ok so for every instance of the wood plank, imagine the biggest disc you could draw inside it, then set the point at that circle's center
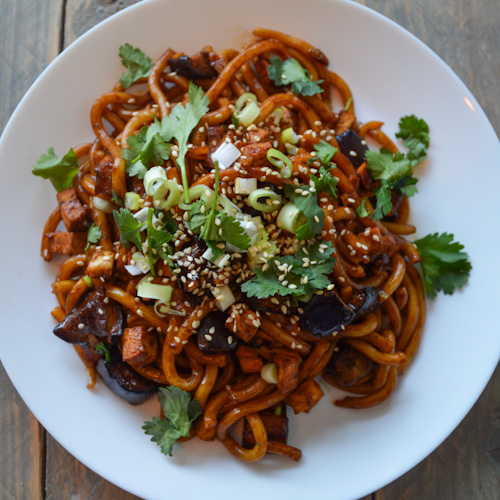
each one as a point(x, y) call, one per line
point(66, 477)
point(466, 466)
point(463, 34)
point(81, 15)
point(21, 446)
point(29, 37)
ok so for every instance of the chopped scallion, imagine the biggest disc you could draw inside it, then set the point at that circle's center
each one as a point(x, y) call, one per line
point(264, 200)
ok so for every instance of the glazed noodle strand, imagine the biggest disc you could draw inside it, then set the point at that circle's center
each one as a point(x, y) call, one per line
point(249, 360)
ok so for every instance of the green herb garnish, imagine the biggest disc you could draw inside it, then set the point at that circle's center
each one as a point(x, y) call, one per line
point(180, 411)
point(138, 64)
point(445, 266)
point(291, 72)
point(59, 171)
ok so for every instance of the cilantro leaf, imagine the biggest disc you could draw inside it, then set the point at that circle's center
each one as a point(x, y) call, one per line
point(180, 123)
point(325, 152)
point(138, 64)
point(308, 205)
point(395, 171)
point(215, 226)
point(104, 351)
point(445, 266)
point(157, 243)
point(60, 171)
point(116, 199)
point(304, 279)
point(291, 72)
point(233, 232)
point(325, 183)
point(145, 149)
point(415, 134)
point(362, 211)
point(180, 410)
point(129, 228)
point(94, 234)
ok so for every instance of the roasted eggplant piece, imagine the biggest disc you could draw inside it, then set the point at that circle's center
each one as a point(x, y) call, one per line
point(94, 316)
point(122, 380)
point(325, 314)
point(365, 302)
point(276, 424)
point(351, 141)
point(349, 366)
point(213, 336)
point(195, 67)
point(328, 313)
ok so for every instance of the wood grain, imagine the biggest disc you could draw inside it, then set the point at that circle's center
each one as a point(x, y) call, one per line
point(29, 40)
point(464, 34)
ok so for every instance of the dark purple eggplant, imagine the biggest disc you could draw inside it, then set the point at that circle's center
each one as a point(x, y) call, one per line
point(123, 381)
point(325, 314)
point(213, 336)
point(94, 316)
point(368, 300)
point(351, 141)
point(195, 67)
point(349, 366)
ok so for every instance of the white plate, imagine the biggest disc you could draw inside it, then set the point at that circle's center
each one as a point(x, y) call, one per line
point(347, 453)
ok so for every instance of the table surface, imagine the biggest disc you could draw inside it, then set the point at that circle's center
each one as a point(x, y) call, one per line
point(464, 34)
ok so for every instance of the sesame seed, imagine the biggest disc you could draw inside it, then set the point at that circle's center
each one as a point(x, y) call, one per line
point(81, 326)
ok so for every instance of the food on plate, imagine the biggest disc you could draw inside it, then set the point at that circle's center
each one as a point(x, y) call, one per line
point(234, 235)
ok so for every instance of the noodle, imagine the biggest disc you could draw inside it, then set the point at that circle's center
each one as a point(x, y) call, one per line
point(167, 342)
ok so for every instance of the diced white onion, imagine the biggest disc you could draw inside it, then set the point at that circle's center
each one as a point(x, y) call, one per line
point(224, 298)
point(103, 205)
point(244, 185)
point(133, 270)
point(221, 261)
point(226, 154)
point(269, 373)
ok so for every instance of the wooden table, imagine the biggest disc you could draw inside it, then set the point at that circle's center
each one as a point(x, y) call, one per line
point(464, 33)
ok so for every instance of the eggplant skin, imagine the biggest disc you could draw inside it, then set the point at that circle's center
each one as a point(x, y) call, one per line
point(94, 316)
point(351, 141)
point(325, 314)
point(126, 383)
point(213, 336)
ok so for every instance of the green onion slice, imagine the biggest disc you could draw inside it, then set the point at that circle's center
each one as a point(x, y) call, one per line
point(288, 136)
point(202, 192)
point(244, 99)
point(131, 201)
point(290, 218)
point(264, 200)
point(278, 159)
point(248, 114)
point(276, 115)
point(158, 186)
point(88, 281)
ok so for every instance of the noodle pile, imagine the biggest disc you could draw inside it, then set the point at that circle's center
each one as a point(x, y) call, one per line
point(364, 358)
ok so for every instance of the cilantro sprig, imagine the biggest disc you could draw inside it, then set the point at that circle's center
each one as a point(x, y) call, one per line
point(138, 64)
point(180, 411)
point(60, 171)
point(325, 182)
point(306, 200)
point(145, 149)
point(395, 171)
point(291, 72)
point(180, 123)
point(216, 226)
point(129, 227)
point(444, 264)
point(94, 234)
point(306, 271)
point(103, 350)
